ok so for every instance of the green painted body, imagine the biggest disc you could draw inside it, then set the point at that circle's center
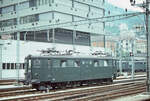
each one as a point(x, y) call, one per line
point(49, 69)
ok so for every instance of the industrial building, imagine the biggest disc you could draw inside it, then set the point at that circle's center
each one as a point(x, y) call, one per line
point(28, 26)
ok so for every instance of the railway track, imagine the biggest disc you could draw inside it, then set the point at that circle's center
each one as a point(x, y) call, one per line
point(7, 82)
point(18, 92)
point(2, 91)
point(112, 94)
point(89, 93)
point(28, 90)
point(98, 94)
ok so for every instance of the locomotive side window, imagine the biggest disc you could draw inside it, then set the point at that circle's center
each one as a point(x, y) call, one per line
point(96, 64)
point(77, 63)
point(63, 63)
point(83, 62)
point(105, 63)
point(87, 63)
point(90, 62)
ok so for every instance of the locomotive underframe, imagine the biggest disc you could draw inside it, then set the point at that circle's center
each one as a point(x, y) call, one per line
point(52, 85)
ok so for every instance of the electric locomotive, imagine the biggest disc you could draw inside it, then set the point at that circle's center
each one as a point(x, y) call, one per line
point(47, 72)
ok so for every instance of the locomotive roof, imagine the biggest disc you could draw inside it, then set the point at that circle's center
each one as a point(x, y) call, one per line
point(72, 57)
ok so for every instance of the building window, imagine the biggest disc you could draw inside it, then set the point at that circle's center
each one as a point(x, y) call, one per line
point(15, 67)
point(7, 9)
point(20, 67)
point(12, 65)
point(8, 65)
point(52, 1)
point(23, 66)
point(72, 3)
point(29, 19)
point(103, 1)
point(43, 2)
point(1, 1)
point(46, 1)
point(4, 65)
point(7, 23)
point(32, 3)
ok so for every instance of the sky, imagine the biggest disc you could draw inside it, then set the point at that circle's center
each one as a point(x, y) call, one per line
point(126, 4)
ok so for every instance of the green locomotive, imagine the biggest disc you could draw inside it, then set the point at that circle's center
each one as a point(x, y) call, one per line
point(46, 72)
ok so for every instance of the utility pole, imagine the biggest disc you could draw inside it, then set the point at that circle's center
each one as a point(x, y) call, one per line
point(104, 41)
point(18, 46)
point(146, 6)
point(120, 57)
point(148, 44)
point(74, 38)
point(1, 61)
point(132, 59)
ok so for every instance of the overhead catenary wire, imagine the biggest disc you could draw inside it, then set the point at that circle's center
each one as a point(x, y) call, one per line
point(77, 23)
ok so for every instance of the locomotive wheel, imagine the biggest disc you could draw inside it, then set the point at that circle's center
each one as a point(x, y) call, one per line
point(49, 87)
point(53, 87)
point(109, 81)
point(41, 88)
point(114, 77)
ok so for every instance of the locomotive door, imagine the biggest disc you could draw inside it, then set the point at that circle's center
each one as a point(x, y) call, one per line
point(49, 69)
point(44, 70)
point(86, 69)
